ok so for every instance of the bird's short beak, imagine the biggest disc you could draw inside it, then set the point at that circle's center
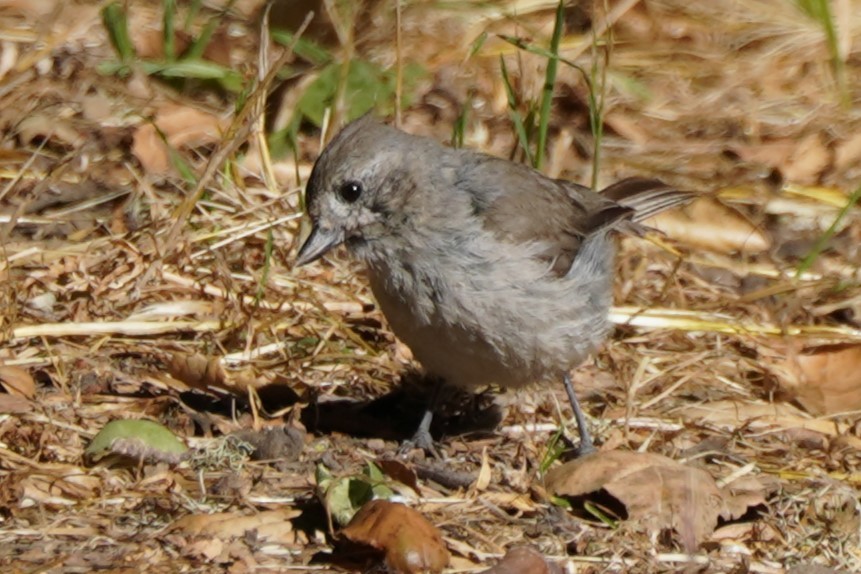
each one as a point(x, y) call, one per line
point(319, 242)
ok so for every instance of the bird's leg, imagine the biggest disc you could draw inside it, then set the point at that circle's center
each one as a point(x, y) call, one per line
point(422, 438)
point(586, 444)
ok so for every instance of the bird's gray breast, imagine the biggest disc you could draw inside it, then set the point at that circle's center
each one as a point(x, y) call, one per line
point(476, 311)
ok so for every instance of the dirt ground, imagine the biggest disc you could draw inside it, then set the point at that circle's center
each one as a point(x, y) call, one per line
point(150, 212)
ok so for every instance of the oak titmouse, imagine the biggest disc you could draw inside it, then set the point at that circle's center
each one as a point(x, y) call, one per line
point(491, 272)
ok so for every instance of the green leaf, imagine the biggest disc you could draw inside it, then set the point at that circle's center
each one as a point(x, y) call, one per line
point(304, 48)
point(196, 69)
point(136, 439)
point(342, 497)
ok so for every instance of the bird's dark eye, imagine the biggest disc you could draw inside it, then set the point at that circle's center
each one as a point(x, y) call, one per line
point(350, 191)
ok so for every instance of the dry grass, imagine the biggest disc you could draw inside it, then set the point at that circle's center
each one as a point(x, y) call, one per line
point(110, 276)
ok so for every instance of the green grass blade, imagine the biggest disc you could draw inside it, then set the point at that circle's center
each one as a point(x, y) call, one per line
point(460, 126)
point(539, 51)
point(198, 47)
point(555, 448)
point(169, 29)
point(193, 10)
point(597, 86)
point(302, 47)
point(549, 85)
point(477, 44)
point(116, 22)
point(519, 127)
point(820, 10)
point(823, 240)
point(267, 266)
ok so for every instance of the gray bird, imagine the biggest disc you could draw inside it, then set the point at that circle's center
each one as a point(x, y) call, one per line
point(491, 272)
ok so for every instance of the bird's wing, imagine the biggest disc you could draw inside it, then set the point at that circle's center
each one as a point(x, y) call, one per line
point(519, 205)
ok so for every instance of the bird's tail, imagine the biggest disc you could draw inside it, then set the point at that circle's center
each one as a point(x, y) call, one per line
point(646, 197)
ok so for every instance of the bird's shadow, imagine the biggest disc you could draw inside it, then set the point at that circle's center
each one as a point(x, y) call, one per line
point(392, 416)
point(396, 414)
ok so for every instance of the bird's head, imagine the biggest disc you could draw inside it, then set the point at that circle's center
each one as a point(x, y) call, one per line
point(358, 189)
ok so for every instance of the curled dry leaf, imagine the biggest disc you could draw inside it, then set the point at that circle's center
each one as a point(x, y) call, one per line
point(49, 127)
point(272, 526)
point(824, 380)
point(208, 373)
point(709, 224)
point(400, 472)
point(654, 489)
point(17, 381)
point(522, 560)
point(409, 542)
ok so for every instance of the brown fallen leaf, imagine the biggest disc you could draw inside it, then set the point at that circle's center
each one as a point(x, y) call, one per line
point(654, 489)
point(17, 381)
point(848, 153)
point(409, 542)
point(824, 380)
point(808, 160)
point(272, 526)
point(63, 486)
point(49, 126)
point(180, 126)
point(208, 373)
point(400, 472)
point(759, 415)
point(709, 224)
point(523, 560)
point(14, 405)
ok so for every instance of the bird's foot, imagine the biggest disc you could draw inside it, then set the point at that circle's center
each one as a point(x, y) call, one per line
point(583, 449)
point(423, 440)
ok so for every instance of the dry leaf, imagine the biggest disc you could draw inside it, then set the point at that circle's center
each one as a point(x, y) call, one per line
point(484, 475)
point(799, 161)
point(272, 526)
point(63, 486)
point(43, 126)
point(825, 380)
point(181, 126)
point(758, 416)
point(654, 489)
point(848, 153)
point(410, 543)
point(523, 560)
point(709, 224)
point(400, 472)
point(808, 160)
point(208, 373)
point(14, 405)
point(17, 381)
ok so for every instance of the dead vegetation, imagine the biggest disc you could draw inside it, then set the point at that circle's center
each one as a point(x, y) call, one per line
point(146, 246)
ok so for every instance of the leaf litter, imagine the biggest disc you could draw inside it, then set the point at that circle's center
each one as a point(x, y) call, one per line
point(725, 360)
